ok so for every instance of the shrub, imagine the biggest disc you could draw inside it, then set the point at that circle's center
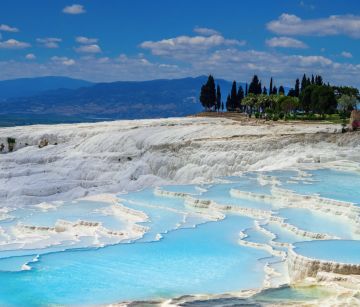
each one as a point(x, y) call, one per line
point(257, 115)
point(281, 115)
point(275, 117)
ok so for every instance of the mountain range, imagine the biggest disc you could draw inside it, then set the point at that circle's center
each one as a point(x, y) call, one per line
point(61, 99)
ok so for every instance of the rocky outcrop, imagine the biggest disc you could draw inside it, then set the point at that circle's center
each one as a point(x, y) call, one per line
point(301, 267)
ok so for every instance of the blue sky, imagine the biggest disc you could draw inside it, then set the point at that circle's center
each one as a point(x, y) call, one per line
point(140, 40)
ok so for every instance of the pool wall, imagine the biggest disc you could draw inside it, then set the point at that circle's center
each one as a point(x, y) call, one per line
point(301, 267)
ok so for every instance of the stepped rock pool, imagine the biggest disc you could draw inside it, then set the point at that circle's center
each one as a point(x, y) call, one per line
point(165, 242)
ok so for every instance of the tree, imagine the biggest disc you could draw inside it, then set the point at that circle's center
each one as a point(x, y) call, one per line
point(271, 86)
point(222, 106)
point(291, 93)
point(323, 100)
point(297, 88)
point(264, 91)
point(305, 98)
point(240, 97)
point(218, 97)
point(312, 79)
point(318, 80)
point(255, 86)
point(288, 104)
point(246, 90)
point(303, 83)
point(208, 93)
point(228, 103)
point(249, 101)
point(275, 90)
point(233, 96)
point(347, 103)
point(281, 90)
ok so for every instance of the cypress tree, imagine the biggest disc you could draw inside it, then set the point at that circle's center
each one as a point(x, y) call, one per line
point(240, 97)
point(255, 86)
point(312, 79)
point(218, 97)
point(303, 83)
point(271, 86)
point(222, 106)
point(297, 88)
point(318, 80)
point(228, 103)
point(275, 90)
point(208, 93)
point(264, 91)
point(246, 90)
point(281, 90)
point(291, 93)
point(233, 96)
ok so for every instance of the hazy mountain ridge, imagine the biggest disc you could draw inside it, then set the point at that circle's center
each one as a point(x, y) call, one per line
point(113, 100)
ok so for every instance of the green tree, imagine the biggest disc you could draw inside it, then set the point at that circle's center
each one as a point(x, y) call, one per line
point(323, 100)
point(250, 101)
point(271, 86)
point(233, 96)
point(255, 86)
point(297, 88)
point(208, 94)
point(218, 97)
point(264, 91)
point(303, 83)
point(240, 97)
point(347, 103)
point(281, 90)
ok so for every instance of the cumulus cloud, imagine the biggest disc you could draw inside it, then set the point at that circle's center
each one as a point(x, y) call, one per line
point(185, 46)
point(13, 44)
point(86, 40)
point(288, 24)
point(63, 60)
point(49, 42)
point(285, 42)
point(74, 9)
point(7, 28)
point(206, 31)
point(93, 48)
point(30, 56)
point(346, 54)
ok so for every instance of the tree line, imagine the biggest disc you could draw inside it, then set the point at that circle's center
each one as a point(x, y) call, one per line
point(310, 96)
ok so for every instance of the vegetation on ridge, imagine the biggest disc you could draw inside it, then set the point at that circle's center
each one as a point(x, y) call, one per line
point(309, 99)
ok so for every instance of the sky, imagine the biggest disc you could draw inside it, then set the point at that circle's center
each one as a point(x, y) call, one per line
point(112, 40)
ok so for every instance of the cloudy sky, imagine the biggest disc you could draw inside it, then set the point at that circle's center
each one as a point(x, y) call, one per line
point(112, 40)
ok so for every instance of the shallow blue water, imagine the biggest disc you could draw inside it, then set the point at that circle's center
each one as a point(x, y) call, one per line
point(345, 251)
point(203, 260)
point(330, 184)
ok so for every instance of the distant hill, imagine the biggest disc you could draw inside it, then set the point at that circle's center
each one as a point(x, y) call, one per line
point(34, 86)
point(114, 100)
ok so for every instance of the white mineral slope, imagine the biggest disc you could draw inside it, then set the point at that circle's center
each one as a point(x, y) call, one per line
point(88, 159)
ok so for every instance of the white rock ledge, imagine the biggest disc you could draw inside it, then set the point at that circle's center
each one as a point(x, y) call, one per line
point(300, 267)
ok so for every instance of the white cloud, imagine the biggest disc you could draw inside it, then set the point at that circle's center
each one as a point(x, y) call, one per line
point(63, 60)
point(86, 40)
point(74, 9)
point(30, 56)
point(93, 48)
point(7, 28)
point(206, 31)
point(185, 46)
point(346, 54)
point(49, 42)
point(13, 44)
point(288, 24)
point(285, 42)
